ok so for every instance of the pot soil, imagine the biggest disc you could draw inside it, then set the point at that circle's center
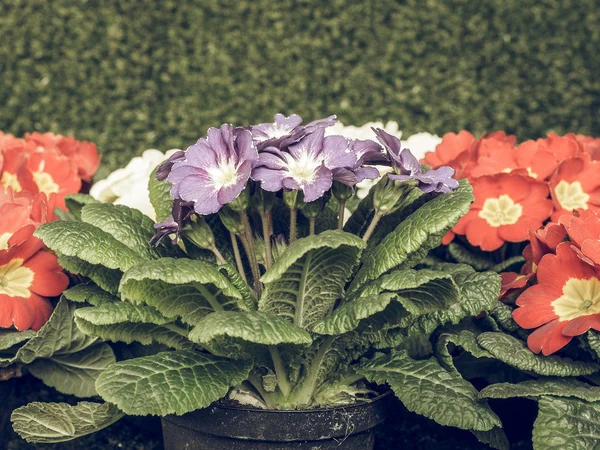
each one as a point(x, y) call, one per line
point(229, 428)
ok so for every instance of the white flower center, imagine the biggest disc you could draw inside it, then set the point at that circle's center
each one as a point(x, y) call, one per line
point(501, 211)
point(304, 169)
point(15, 280)
point(45, 183)
point(571, 195)
point(224, 174)
point(581, 297)
point(4, 237)
point(10, 180)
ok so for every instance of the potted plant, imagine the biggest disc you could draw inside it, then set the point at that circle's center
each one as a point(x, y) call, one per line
point(280, 324)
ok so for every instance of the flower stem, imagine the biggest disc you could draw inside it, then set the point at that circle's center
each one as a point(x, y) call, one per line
point(341, 212)
point(251, 253)
point(311, 226)
point(220, 259)
point(238, 257)
point(376, 218)
point(293, 219)
point(265, 218)
point(280, 372)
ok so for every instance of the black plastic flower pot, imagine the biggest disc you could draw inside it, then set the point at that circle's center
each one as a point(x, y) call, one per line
point(231, 428)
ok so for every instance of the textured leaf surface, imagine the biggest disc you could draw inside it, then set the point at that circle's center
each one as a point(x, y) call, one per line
point(59, 422)
point(8, 338)
point(248, 296)
point(129, 226)
point(144, 333)
point(415, 236)
point(173, 382)
point(75, 203)
point(74, 373)
point(180, 288)
point(566, 424)
point(478, 292)
point(593, 338)
point(251, 326)
point(111, 313)
point(558, 387)
point(107, 279)
point(160, 197)
point(88, 243)
point(465, 339)
point(428, 389)
point(303, 284)
point(514, 352)
point(90, 293)
point(495, 438)
point(464, 256)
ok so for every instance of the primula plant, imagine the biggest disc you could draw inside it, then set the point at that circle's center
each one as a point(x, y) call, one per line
point(257, 288)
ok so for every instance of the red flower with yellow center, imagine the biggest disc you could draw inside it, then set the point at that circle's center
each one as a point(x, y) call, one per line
point(583, 228)
point(575, 185)
point(564, 303)
point(506, 206)
point(455, 150)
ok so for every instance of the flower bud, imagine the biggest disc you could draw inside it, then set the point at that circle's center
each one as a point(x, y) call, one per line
point(241, 202)
point(263, 201)
point(231, 220)
point(313, 209)
point(387, 195)
point(341, 192)
point(199, 233)
point(293, 199)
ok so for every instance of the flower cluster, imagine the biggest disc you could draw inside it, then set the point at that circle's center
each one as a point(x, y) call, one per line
point(563, 260)
point(47, 163)
point(36, 173)
point(519, 187)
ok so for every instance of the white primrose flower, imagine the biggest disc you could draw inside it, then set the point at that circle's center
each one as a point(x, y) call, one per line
point(129, 186)
point(363, 132)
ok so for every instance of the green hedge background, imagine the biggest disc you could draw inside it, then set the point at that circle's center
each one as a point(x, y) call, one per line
point(131, 75)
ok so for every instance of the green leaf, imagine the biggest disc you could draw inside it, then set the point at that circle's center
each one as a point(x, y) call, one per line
point(414, 237)
point(88, 243)
point(75, 203)
point(462, 255)
point(466, 339)
point(74, 373)
point(90, 293)
point(257, 327)
point(557, 387)
point(107, 279)
point(564, 424)
point(514, 352)
point(129, 226)
point(180, 288)
point(8, 338)
point(173, 382)
point(503, 266)
point(304, 283)
point(495, 438)
point(160, 197)
point(119, 312)
point(47, 423)
point(593, 338)
point(426, 388)
point(478, 292)
point(144, 333)
point(359, 221)
point(248, 295)
point(61, 214)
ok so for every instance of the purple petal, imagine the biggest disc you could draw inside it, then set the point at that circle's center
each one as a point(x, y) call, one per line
point(165, 168)
point(366, 173)
point(272, 158)
point(227, 194)
point(396, 177)
point(290, 183)
point(345, 176)
point(246, 149)
point(216, 142)
point(194, 188)
point(321, 184)
point(271, 180)
point(201, 154)
point(390, 142)
point(337, 152)
point(323, 123)
point(408, 163)
point(311, 144)
point(289, 123)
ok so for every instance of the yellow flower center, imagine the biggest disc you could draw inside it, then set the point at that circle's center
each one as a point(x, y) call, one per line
point(4, 237)
point(224, 174)
point(10, 180)
point(15, 280)
point(45, 183)
point(501, 211)
point(581, 297)
point(303, 170)
point(531, 173)
point(571, 195)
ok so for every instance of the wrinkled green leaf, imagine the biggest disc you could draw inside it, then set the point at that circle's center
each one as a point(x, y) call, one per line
point(107, 279)
point(47, 423)
point(415, 236)
point(90, 293)
point(129, 226)
point(466, 339)
point(8, 337)
point(88, 243)
point(464, 256)
point(111, 313)
point(514, 352)
point(248, 295)
point(75, 203)
point(173, 382)
point(495, 438)
point(304, 283)
point(428, 389)
point(160, 197)
point(566, 424)
point(558, 387)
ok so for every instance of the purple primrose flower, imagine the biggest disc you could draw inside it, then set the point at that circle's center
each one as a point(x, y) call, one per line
point(407, 167)
point(284, 131)
point(215, 170)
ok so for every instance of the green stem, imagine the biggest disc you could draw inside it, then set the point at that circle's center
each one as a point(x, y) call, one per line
point(341, 212)
point(220, 259)
point(376, 218)
point(351, 379)
point(311, 226)
point(267, 237)
point(299, 314)
point(280, 372)
point(305, 393)
point(256, 382)
point(251, 253)
point(238, 257)
point(210, 298)
point(293, 219)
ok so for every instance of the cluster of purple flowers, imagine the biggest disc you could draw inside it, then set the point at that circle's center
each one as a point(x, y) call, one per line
point(286, 155)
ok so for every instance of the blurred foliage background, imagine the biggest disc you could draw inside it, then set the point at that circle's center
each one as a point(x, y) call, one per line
point(131, 75)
